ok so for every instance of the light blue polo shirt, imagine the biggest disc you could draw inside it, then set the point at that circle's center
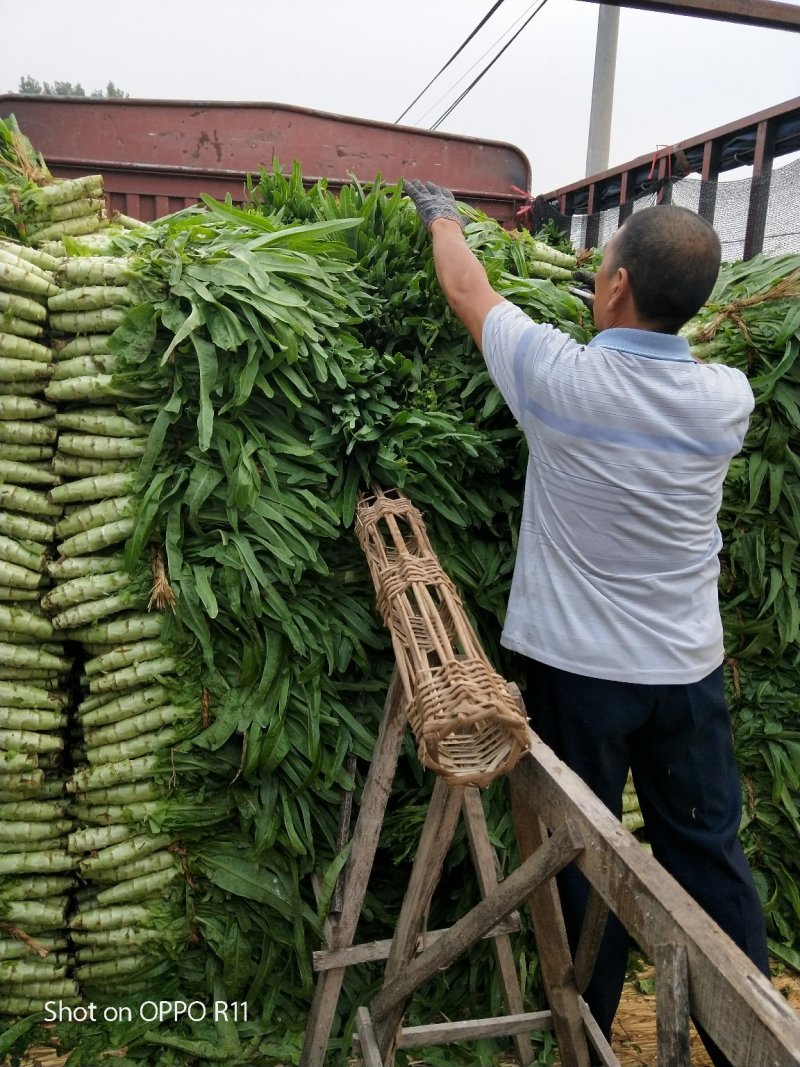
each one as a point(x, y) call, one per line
point(629, 443)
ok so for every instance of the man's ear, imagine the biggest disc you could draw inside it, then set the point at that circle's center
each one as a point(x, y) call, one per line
point(619, 289)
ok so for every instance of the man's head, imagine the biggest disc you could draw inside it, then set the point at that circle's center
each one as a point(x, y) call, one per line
point(657, 271)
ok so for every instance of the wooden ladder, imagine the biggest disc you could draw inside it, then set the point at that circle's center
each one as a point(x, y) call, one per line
point(557, 819)
point(412, 959)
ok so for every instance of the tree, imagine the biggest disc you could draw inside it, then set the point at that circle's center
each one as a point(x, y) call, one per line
point(32, 87)
point(112, 92)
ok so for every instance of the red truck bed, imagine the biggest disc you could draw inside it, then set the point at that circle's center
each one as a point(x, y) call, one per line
point(156, 156)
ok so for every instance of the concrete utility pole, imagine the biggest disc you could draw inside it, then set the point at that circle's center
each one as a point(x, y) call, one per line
point(605, 64)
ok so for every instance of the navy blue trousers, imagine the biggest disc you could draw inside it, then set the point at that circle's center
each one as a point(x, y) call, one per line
point(677, 741)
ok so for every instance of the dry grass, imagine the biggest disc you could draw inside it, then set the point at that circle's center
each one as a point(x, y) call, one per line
point(634, 1033)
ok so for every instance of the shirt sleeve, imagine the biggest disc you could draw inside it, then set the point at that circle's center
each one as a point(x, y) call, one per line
point(514, 347)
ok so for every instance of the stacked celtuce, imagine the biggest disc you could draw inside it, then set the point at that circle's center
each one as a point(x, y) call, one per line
point(93, 302)
point(127, 718)
point(129, 721)
point(64, 209)
point(26, 281)
point(35, 865)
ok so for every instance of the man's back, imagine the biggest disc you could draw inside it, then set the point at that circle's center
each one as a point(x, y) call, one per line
point(630, 440)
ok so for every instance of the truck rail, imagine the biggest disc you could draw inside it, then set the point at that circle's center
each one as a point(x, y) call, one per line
point(754, 141)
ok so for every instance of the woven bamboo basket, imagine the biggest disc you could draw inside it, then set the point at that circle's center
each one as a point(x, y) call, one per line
point(468, 727)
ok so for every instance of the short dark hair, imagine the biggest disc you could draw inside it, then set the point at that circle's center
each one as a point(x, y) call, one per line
point(672, 256)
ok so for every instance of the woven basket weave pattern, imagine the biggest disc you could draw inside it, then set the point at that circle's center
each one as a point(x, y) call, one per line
point(468, 727)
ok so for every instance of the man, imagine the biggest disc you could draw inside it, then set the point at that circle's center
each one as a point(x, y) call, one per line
point(613, 601)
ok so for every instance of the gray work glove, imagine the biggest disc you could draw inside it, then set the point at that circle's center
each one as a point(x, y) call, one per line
point(586, 278)
point(586, 293)
point(433, 202)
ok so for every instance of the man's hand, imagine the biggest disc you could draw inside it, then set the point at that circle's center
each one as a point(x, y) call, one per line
point(587, 280)
point(433, 202)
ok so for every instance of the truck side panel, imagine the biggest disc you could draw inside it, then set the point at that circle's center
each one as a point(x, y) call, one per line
point(158, 155)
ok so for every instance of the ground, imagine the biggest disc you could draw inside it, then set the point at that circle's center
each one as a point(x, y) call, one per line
point(634, 1035)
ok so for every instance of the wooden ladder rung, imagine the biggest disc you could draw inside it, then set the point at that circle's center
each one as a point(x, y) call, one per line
point(327, 959)
point(474, 1029)
point(468, 1029)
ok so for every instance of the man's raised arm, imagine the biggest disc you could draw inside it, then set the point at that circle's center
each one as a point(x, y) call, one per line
point(461, 276)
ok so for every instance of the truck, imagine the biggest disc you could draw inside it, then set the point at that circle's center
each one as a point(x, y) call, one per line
point(157, 156)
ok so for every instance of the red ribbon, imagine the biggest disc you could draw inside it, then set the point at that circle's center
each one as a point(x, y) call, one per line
point(668, 148)
point(526, 208)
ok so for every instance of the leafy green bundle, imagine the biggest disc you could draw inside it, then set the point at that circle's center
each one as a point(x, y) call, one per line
point(276, 376)
point(276, 361)
point(752, 321)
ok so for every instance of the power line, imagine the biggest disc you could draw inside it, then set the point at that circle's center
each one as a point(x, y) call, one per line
point(468, 71)
point(457, 52)
point(486, 69)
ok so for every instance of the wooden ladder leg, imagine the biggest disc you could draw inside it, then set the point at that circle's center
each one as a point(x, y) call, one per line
point(594, 925)
point(434, 843)
point(557, 851)
point(366, 1038)
point(483, 858)
point(551, 936)
point(357, 870)
point(672, 1005)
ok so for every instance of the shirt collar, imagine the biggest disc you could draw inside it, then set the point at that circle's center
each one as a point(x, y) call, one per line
point(645, 343)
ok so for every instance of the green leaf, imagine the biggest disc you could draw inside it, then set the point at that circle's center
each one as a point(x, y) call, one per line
point(16, 1031)
point(205, 593)
point(146, 518)
point(135, 337)
point(246, 879)
point(203, 480)
point(192, 321)
point(208, 366)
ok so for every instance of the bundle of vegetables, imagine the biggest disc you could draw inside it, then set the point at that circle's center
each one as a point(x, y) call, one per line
point(63, 209)
point(35, 207)
point(26, 280)
point(20, 165)
point(279, 412)
point(35, 864)
point(100, 242)
point(752, 321)
point(98, 601)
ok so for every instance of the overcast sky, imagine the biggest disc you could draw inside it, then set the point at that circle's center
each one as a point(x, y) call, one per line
point(676, 76)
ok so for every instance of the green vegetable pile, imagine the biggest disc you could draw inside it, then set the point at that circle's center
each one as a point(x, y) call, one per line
point(752, 321)
point(224, 383)
point(221, 385)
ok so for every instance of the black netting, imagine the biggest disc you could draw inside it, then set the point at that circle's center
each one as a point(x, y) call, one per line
point(731, 200)
point(783, 211)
